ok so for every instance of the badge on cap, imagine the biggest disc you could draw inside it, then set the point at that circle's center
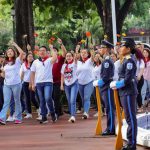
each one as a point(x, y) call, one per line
point(129, 66)
point(106, 65)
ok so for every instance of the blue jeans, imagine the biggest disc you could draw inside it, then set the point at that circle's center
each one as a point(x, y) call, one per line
point(12, 106)
point(45, 96)
point(145, 92)
point(1, 97)
point(85, 93)
point(71, 94)
point(8, 91)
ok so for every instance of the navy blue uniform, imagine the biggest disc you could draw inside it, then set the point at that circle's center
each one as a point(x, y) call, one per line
point(128, 94)
point(107, 73)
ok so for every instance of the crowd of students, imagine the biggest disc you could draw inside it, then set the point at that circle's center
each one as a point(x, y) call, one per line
point(41, 80)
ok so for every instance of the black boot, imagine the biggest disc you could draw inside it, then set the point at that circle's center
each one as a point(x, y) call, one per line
point(129, 147)
point(108, 132)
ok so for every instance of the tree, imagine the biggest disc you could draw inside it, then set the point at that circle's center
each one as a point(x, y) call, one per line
point(5, 25)
point(24, 23)
point(104, 11)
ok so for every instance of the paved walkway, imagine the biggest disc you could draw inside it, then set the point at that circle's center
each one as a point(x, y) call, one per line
point(59, 136)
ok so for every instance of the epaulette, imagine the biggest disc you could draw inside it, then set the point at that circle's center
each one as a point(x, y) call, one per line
point(128, 57)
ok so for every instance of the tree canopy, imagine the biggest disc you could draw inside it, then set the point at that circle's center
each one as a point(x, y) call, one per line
point(71, 19)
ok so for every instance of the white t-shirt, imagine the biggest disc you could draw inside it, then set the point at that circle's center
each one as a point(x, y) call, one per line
point(140, 65)
point(43, 70)
point(27, 73)
point(97, 72)
point(116, 71)
point(85, 72)
point(12, 73)
point(69, 73)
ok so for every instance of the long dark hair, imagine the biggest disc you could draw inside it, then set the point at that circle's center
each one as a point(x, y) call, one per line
point(148, 51)
point(138, 54)
point(89, 55)
point(100, 60)
point(13, 58)
point(26, 59)
point(69, 53)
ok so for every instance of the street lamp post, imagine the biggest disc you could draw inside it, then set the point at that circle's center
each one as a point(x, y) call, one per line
point(114, 22)
point(13, 20)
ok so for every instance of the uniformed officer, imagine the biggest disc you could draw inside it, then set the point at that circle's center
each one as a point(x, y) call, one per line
point(107, 73)
point(127, 86)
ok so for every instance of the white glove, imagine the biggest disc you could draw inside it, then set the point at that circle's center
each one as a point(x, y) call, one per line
point(113, 85)
point(95, 83)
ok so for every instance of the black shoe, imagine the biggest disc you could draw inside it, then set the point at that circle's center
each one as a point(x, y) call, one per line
point(54, 117)
point(44, 120)
point(107, 132)
point(128, 147)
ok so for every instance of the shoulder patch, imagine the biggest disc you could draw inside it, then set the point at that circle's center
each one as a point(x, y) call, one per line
point(129, 66)
point(106, 65)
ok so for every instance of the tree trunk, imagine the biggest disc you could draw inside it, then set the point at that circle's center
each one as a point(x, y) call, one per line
point(104, 11)
point(24, 23)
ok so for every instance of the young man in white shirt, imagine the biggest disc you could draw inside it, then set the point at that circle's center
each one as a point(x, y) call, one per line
point(42, 69)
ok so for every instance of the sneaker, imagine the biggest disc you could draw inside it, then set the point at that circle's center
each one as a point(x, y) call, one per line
point(78, 112)
point(54, 117)
point(18, 121)
point(72, 119)
point(95, 115)
point(44, 120)
point(28, 116)
point(85, 116)
point(10, 119)
point(2, 122)
point(39, 118)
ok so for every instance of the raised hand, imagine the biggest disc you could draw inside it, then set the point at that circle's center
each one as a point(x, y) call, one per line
point(77, 48)
point(59, 41)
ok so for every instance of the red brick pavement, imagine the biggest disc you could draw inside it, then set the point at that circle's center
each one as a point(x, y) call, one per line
point(59, 136)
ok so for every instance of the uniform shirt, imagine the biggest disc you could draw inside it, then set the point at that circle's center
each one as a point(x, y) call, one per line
point(117, 65)
point(26, 71)
point(43, 70)
point(57, 69)
point(12, 73)
point(96, 72)
point(85, 72)
point(69, 72)
point(140, 65)
point(127, 72)
point(107, 72)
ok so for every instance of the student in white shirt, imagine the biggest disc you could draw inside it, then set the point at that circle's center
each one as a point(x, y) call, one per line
point(42, 69)
point(96, 72)
point(69, 83)
point(139, 74)
point(25, 76)
point(85, 78)
point(12, 83)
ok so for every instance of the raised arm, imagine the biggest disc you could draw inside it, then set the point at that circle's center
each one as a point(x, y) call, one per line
point(92, 52)
point(54, 54)
point(21, 52)
point(77, 54)
point(64, 51)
